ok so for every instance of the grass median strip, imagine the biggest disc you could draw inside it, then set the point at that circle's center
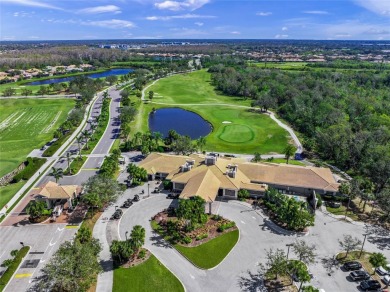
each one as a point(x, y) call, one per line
point(6, 277)
point(148, 276)
point(211, 253)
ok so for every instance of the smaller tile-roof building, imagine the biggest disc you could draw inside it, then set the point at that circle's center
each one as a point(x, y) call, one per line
point(212, 176)
point(54, 193)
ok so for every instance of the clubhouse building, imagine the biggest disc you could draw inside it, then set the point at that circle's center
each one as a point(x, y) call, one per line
point(212, 177)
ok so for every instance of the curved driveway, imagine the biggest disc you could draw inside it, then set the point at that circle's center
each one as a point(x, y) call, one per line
point(255, 238)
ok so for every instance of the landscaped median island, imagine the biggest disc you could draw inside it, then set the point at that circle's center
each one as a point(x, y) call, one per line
point(150, 275)
point(12, 265)
point(76, 165)
point(205, 240)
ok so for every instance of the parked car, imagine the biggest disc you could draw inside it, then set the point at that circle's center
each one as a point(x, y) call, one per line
point(370, 285)
point(156, 190)
point(352, 266)
point(334, 204)
point(127, 204)
point(136, 198)
point(172, 196)
point(383, 271)
point(57, 210)
point(386, 280)
point(118, 214)
point(359, 275)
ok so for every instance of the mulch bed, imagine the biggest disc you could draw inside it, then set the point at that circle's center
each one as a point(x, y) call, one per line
point(135, 260)
point(211, 228)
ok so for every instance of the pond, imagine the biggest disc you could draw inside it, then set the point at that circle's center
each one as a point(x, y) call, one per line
point(111, 72)
point(182, 121)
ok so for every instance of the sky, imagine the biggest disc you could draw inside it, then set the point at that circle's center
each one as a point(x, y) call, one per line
point(194, 19)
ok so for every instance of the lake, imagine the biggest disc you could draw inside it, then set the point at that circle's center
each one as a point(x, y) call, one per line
point(182, 121)
point(111, 72)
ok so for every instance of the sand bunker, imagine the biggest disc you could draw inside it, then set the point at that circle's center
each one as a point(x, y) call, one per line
point(226, 122)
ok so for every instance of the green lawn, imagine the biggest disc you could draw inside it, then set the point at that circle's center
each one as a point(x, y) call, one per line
point(211, 253)
point(76, 165)
point(7, 192)
point(341, 211)
point(149, 276)
point(281, 160)
point(247, 132)
point(6, 277)
point(26, 124)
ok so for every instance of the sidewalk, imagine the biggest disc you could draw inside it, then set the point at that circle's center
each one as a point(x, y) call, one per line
point(46, 167)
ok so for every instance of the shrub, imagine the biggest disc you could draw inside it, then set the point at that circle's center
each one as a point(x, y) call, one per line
point(225, 226)
point(167, 185)
point(142, 254)
point(56, 145)
point(243, 195)
point(202, 236)
point(33, 164)
point(216, 217)
point(186, 239)
point(319, 200)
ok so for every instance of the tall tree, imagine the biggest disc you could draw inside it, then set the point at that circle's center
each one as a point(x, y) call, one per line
point(288, 152)
point(137, 237)
point(349, 243)
point(74, 267)
point(377, 259)
point(86, 134)
point(57, 173)
point(304, 251)
point(277, 263)
point(79, 140)
point(68, 160)
point(200, 143)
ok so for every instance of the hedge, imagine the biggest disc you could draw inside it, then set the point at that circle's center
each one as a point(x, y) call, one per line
point(32, 165)
point(6, 277)
point(56, 145)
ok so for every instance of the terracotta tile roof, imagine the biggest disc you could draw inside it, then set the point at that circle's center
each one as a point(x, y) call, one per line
point(53, 190)
point(203, 184)
point(248, 175)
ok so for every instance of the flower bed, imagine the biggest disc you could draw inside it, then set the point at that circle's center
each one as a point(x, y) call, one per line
point(173, 229)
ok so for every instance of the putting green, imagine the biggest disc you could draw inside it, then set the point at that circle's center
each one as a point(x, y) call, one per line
point(233, 133)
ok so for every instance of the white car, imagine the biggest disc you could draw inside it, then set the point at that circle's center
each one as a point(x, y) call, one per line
point(386, 280)
point(383, 271)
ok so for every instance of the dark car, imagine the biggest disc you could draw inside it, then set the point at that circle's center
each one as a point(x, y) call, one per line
point(118, 214)
point(352, 266)
point(370, 285)
point(359, 275)
point(172, 196)
point(127, 204)
point(334, 204)
point(136, 198)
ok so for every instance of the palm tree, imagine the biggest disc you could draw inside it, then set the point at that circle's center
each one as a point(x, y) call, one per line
point(68, 159)
point(79, 140)
point(84, 234)
point(157, 136)
point(151, 95)
point(137, 237)
point(86, 135)
point(288, 152)
point(35, 209)
point(345, 189)
point(93, 127)
point(57, 173)
point(105, 94)
point(137, 138)
point(201, 142)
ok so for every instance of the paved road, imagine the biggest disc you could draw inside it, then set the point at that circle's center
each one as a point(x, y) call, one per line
point(43, 240)
point(47, 237)
point(255, 238)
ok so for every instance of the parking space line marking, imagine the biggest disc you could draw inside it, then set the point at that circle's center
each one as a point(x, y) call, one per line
point(23, 275)
point(254, 217)
point(242, 222)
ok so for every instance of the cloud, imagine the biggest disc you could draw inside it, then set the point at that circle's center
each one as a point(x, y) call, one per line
point(343, 35)
point(23, 14)
point(376, 31)
point(182, 16)
point(381, 7)
point(281, 36)
point(100, 9)
point(113, 23)
point(284, 28)
point(261, 13)
point(235, 32)
point(184, 5)
point(199, 23)
point(32, 3)
point(187, 32)
point(318, 12)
